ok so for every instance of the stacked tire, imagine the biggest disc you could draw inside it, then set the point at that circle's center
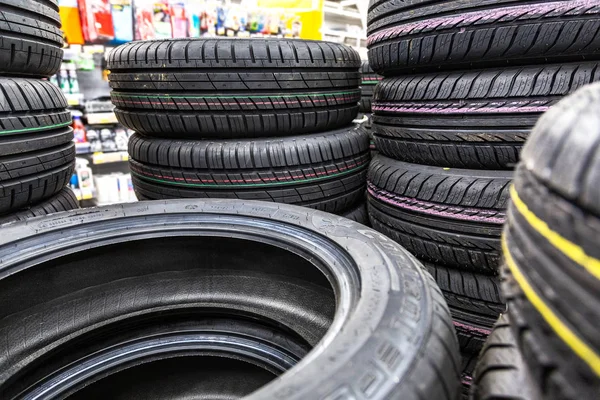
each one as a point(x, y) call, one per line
point(368, 81)
point(252, 119)
point(465, 81)
point(37, 155)
point(548, 347)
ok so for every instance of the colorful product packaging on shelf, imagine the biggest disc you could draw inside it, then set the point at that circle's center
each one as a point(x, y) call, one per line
point(122, 15)
point(193, 9)
point(119, 21)
point(96, 20)
point(71, 23)
point(161, 20)
point(144, 20)
point(179, 20)
point(78, 130)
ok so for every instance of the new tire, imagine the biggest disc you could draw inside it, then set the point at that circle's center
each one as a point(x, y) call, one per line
point(377, 323)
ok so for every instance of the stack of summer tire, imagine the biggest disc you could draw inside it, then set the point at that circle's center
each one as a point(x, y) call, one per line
point(465, 81)
point(37, 155)
point(548, 344)
point(252, 119)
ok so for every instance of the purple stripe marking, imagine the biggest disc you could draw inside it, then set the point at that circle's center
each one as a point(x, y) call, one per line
point(472, 328)
point(494, 217)
point(506, 14)
point(465, 110)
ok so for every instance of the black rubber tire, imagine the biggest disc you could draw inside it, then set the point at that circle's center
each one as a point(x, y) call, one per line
point(449, 217)
point(501, 373)
point(367, 127)
point(460, 34)
point(469, 361)
point(65, 200)
point(358, 214)
point(234, 88)
point(551, 249)
point(475, 304)
point(368, 81)
point(476, 119)
point(30, 38)
point(390, 317)
point(326, 171)
point(37, 154)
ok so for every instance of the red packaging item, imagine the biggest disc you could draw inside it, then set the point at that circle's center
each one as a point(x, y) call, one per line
point(144, 25)
point(179, 20)
point(79, 134)
point(96, 20)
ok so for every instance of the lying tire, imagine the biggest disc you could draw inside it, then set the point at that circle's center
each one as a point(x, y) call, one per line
point(30, 38)
point(449, 217)
point(417, 35)
point(65, 200)
point(475, 304)
point(368, 81)
point(326, 171)
point(471, 119)
point(234, 88)
point(306, 280)
point(551, 249)
point(37, 154)
point(501, 372)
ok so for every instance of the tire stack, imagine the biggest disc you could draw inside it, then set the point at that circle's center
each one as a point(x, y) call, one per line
point(37, 155)
point(465, 81)
point(551, 273)
point(253, 119)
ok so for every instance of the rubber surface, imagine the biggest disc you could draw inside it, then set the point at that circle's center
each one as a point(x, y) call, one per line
point(501, 373)
point(392, 317)
point(234, 88)
point(367, 127)
point(30, 38)
point(469, 361)
point(466, 34)
point(65, 200)
point(475, 303)
point(552, 249)
point(358, 214)
point(450, 217)
point(325, 171)
point(37, 154)
point(368, 81)
point(476, 119)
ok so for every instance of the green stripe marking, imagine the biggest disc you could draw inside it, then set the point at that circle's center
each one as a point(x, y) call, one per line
point(41, 128)
point(251, 185)
point(369, 82)
point(235, 97)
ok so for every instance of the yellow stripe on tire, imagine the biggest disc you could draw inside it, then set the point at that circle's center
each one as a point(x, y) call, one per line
point(565, 246)
point(576, 344)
